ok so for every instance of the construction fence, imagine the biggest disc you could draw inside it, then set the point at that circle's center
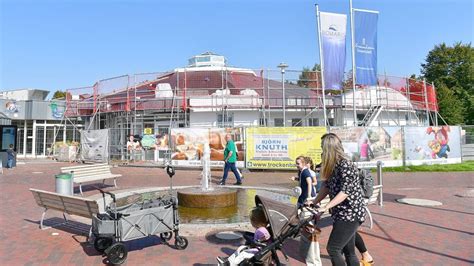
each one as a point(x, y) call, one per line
point(278, 147)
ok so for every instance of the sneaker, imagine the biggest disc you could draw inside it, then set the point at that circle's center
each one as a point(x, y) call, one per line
point(222, 183)
point(238, 184)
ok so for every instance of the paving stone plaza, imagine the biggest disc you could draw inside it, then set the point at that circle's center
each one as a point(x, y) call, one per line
point(402, 234)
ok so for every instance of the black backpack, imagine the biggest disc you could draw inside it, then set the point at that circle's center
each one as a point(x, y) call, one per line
point(366, 183)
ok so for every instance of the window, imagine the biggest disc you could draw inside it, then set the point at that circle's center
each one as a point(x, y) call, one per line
point(278, 122)
point(296, 122)
point(7, 137)
point(225, 120)
point(297, 101)
point(263, 122)
point(313, 122)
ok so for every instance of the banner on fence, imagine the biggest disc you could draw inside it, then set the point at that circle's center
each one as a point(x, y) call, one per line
point(333, 45)
point(365, 47)
point(368, 145)
point(278, 147)
point(432, 145)
point(95, 145)
point(188, 145)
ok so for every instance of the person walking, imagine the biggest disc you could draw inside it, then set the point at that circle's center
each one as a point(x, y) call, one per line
point(304, 179)
point(346, 204)
point(366, 152)
point(230, 157)
point(367, 259)
point(11, 154)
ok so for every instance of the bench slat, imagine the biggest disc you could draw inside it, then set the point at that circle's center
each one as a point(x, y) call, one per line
point(88, 170)
point(81, 210)
point(93, 178)
point(64, 203)
point(85, 204)
point(84, 166)
point(92, 173)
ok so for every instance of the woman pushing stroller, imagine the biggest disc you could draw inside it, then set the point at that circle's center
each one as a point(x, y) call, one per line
point(346, 204)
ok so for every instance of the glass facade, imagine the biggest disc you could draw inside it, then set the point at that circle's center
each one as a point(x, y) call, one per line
point(41, 136)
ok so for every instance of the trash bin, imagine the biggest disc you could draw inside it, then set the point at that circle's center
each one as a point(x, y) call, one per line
point(64, 184)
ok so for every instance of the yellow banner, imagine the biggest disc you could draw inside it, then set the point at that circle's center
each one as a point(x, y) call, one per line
point(278, 147)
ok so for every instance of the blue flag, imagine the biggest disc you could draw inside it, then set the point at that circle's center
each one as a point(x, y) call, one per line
point(333, 38)
point(365, 33)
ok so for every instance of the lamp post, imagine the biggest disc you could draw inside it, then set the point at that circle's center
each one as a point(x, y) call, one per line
point(282, 67)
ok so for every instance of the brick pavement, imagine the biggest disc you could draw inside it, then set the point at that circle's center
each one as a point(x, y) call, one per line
point(402, 234)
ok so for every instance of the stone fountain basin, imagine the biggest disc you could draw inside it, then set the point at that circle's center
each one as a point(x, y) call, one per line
point(209, 215)
point(219, 197)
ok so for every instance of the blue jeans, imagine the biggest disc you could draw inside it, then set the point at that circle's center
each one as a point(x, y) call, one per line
point(232, 167)
point(10, 163)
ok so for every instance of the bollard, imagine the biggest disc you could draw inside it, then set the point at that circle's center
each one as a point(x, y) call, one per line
point(379, 179)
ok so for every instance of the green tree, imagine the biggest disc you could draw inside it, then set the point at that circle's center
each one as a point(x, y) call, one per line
point(452, 67)
point(59, 95)
point(450, 106)
point(310, 78)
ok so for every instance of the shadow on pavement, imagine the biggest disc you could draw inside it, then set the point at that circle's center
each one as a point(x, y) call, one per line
point(70, 226)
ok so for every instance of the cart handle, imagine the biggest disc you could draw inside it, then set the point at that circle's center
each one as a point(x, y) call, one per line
point(108, 193)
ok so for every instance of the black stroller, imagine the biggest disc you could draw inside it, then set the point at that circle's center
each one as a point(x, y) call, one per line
point(285, 222)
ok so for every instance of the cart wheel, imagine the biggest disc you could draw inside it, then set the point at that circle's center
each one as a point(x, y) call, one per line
point(166, 236)
point(181, 242)
point(102, 243)
point(117, 253)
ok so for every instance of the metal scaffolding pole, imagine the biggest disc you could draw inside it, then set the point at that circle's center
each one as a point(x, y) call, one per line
point(426, 103)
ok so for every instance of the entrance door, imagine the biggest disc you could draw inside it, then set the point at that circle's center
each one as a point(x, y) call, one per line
point(40, 145)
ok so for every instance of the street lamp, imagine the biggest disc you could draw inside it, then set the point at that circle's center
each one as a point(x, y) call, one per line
point(282, 67)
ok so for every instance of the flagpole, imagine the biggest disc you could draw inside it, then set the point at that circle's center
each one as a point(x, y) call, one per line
point(322, 65)
point(353, 65)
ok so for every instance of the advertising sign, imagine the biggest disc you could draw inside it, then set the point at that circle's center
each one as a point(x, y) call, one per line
point(278, 147)
point(366, 146)
point(432, 145)
point(187, 145)
point(365, 47)
point(333, 39)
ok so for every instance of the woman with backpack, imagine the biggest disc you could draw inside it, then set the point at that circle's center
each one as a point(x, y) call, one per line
point(342, 183)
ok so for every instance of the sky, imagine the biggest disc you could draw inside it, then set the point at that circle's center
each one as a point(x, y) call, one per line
point(58, 45)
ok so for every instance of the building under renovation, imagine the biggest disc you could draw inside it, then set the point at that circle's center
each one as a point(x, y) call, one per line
point(210, 93)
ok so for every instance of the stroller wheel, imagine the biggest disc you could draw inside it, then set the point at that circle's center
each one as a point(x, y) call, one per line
point(117, 253)
point(165, 237)
point(181, 242)
point(102, 243)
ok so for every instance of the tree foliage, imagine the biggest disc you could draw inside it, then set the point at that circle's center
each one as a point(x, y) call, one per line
point(450, 106)
point(310, 78)
point(451, 69)
point(59, 95)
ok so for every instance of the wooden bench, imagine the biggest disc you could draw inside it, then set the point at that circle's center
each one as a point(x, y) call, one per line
point(66, 204)
point(89, 173)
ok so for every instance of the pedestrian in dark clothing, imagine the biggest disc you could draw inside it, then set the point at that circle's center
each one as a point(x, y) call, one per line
point(347, 204)
point(11, 154)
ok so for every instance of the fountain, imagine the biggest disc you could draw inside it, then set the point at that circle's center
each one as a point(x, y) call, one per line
point(207, 196)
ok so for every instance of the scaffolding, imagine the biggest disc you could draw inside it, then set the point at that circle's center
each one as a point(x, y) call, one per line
point(129, 104)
